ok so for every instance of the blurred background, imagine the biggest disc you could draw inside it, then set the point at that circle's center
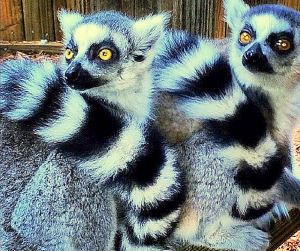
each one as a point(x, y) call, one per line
point(33, 20)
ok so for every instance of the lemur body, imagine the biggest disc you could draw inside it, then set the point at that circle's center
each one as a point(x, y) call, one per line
point(103, 121)
point(235, 163)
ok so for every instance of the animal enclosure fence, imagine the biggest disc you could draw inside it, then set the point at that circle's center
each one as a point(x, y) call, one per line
point(33, 20)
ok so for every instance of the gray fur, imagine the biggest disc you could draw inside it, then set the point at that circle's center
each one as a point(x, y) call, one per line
point(45, 203)
point(213, 193)
point(21, 155)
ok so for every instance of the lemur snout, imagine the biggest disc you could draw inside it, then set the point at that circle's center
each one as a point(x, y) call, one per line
point(80, 79)
point(255, 61)
point(73, 72)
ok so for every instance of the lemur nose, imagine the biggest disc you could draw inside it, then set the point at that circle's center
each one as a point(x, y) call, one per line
point(254, 54)
point(255, 60)
point(73, 71)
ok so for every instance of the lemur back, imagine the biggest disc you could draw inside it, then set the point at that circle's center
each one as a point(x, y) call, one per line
point(235, 163)
point(96, 108)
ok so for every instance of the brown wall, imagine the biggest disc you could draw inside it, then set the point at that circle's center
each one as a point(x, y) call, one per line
point(27, 20)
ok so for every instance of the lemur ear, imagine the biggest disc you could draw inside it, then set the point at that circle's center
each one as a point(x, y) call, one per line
point(68, 20)
point(234, 11)
point(148, 30)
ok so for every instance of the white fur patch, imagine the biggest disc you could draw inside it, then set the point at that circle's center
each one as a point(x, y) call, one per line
point(189, 66)
point(270, 24)
point(69, 121)
point(255, 199)
point(87, 34)
point(210, 108)
point(131, 91)
point(153, 227)
point(125, 149)
point(254, 157)
point(161, 189)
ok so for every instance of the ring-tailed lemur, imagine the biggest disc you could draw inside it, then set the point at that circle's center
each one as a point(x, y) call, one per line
point(235, 162)
point(104, 120)
point(266, 58)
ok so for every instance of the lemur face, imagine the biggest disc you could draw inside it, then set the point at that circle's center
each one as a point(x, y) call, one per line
point(108, 50)
point(268, 48)
point(265, 40)
point(95, 56)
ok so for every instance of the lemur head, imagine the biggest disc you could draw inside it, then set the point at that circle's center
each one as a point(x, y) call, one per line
point(265, 42)
point(109, 53)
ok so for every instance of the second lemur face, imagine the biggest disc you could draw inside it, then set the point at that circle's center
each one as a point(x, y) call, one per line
point(108, 50)
point(265, 39)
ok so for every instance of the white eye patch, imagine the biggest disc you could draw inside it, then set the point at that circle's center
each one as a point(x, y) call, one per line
point(87, 34)
point(266, 24)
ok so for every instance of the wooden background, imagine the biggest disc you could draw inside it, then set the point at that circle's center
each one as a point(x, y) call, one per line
point(33, 20)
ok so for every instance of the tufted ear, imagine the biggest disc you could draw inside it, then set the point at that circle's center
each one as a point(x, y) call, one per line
point(68, 20)
point(234, 11)
point(148, 30)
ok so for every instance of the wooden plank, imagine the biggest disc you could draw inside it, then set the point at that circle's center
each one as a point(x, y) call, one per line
point(221, 29)
point(290, 3)
point(187, 15)
point(210, 18)
point(165, 6)
point(37, 47)
point(127, 6)
point(81, 6)
point(105, 5)
point(206, 11)
point(38, 20)
point(177, 14)
point(47, 20)
point(145, 7)
point(12, 20)
point(58, 5)
point(284, 229)
point(32, 23)
point(257, 2)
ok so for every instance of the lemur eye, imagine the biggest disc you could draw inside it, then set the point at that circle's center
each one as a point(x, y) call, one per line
point(105, 54)
point(245, 37)
point(283, 44)
point(69, 54)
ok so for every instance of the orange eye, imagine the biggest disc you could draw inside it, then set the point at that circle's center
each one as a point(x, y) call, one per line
point(69, 54)
point(105, 54)
point(245, 37)
point(283, 44)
